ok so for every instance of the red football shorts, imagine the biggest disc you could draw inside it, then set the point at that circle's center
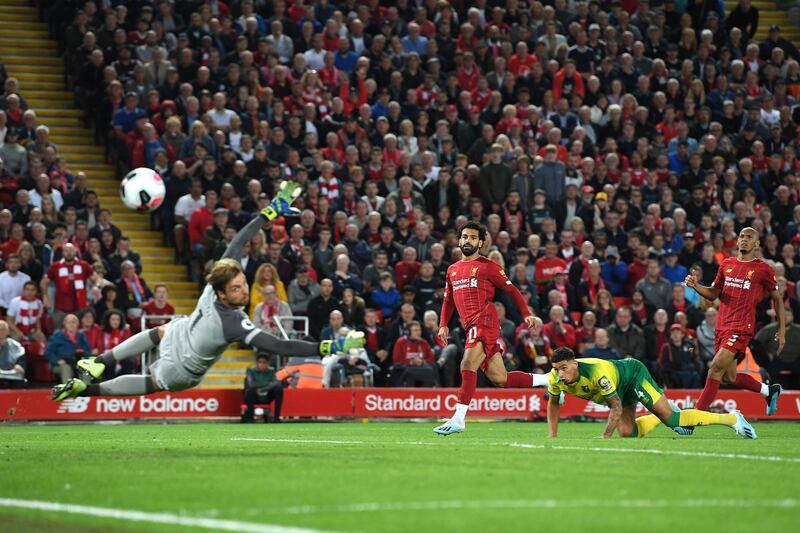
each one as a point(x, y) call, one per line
point(732, 341)
point(490, 337)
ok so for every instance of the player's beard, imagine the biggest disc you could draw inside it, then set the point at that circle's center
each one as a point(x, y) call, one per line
point(467, 249)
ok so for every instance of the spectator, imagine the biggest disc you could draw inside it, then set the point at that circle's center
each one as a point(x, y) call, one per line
point(625, 337)
point(335, 323)
point(585, 332)
point(705, 337)
point(12, 359)
point(93, 331)
point(132, 291)
point(614, 271)
point(158, 306)
point(343, 278)
point(785, 364)
point(265, 313)
point(352, 308)
point(320, 308)
point(65, 347)
point(657, 290)
point(406, 271)
point(12, 282)
point(301, 291)
point(558, 331)
point(25, 314)
point(601, 348)
point(550, 176)
point(678, 361)
point(261, 386)
point(414, 363)
point(70, 276)
point(123, 253)
point(266, 275)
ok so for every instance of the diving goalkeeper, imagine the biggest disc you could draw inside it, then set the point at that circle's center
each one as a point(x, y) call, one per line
point(190, 346)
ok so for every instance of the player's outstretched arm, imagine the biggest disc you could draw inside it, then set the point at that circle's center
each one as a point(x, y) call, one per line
point(614, 415)
point(553, 414)
point(780, 334)
point(280, 205)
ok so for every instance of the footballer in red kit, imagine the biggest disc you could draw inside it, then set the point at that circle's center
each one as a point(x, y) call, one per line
point(740, 284)
point(469, 289)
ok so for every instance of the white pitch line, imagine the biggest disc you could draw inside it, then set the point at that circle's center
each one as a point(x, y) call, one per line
point(317, 441)
point(156, 518)
point(651, 451)
point(533, 504)
point(770, 458)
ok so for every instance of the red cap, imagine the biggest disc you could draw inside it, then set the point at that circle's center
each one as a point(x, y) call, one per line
point(587, 189)
point(676, 327)
point(558, 270)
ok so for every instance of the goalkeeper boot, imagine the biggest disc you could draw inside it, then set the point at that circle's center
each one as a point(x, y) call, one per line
point(95, 370)
point(772, 399)
point(448, 428)
point(743, 428)
point(684, 431)
point(70, 389)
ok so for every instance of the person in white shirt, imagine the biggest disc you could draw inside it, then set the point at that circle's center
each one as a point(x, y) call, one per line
point(220, 115)
point(42, 188)
point(12, 281)
point(281, 43)
point(24, 315)
point(315, 56)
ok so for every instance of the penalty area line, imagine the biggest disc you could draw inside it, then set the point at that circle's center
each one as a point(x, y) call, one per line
point(129, 515)
point(651, 451)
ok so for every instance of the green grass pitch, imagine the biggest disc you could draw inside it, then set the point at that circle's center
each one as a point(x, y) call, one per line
point(400, 477)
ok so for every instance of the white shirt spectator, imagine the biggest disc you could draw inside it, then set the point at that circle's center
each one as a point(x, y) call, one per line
point(36, 198)
point(186, 205)
point(283, 45)
point(315, 60)
point(11, 286)
point(221, 118)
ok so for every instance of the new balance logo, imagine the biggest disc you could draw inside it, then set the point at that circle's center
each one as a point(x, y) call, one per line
point(74, 405)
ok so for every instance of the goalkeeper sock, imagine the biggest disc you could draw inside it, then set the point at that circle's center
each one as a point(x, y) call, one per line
point(748, 382)
point(644, 425)
point(136, 345)
point(130, 385)
point(708, 394)
point(695, 417)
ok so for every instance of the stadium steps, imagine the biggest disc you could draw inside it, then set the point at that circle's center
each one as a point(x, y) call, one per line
point(769, 14)
point(32, 56)
point(229, 371)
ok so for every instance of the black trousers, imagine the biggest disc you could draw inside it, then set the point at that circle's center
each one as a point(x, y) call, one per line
point(268, 394)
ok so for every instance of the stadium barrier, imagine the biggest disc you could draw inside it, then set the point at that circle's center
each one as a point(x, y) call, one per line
point(522, 404)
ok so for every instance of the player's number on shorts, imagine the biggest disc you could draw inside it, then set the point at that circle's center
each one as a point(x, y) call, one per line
point(473, 331)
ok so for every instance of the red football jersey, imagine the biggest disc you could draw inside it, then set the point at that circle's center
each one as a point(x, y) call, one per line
point(470, 287)
point(744, 284)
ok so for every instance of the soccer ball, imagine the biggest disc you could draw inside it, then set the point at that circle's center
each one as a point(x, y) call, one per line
point(142, 189)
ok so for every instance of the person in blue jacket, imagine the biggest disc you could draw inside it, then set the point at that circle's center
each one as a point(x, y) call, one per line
point(65, 347)
point(385, 296)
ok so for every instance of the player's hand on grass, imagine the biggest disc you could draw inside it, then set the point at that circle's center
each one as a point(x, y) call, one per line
point(443, 335)
point(281, 205)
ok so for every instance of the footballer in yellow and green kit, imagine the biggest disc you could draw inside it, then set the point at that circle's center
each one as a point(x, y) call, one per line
point(622, 385)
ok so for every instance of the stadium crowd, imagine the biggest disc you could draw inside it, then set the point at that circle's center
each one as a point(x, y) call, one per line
point(610, 147)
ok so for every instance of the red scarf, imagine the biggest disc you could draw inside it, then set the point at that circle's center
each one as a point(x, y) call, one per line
point(138, 287)
point(267, 312)
point(76, 285)
point(594, 287)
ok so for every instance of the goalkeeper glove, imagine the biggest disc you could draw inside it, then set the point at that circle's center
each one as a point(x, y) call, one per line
point(282, 203)
point(343, 345)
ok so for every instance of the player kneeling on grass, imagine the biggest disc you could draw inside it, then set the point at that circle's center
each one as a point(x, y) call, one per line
point(621, 385)
point(189, 346)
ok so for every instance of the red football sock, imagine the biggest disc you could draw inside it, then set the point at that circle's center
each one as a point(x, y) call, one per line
point(519, 380)
point(748, 382)
point(708, 394)
point(469, 382)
